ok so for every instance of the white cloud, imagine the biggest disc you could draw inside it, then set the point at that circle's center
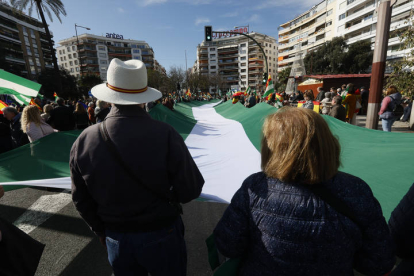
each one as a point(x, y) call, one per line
point(201, 20)
point(253, 18)
point(120, 10)
point(302, 4)
point(150, 2)
point(230, 14)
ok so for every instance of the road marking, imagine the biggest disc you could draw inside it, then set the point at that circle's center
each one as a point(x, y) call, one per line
point(40, 211)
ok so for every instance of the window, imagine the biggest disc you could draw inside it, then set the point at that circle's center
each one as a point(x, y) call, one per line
point(274, 59)
point(243, 71)
point(31, 61)
point(74, 55)
point(34, 42)
point(213, 61)
point(33, 70)
point(29, 52)
point(61, 58)
point(133, 45)
point(104, 62)
point(77, 69)
point(242, 52)
point(342, 16)
point(76, 62)
point(270, 70)
point(266, 51)
point(71, 63)
point(212, 55)
point(101, 48)
point(329, 23)
point(37, 62)
point(102, 55)
point(242, 45)
point(60, 52)
point(68, 49)
point(103, 69)
point(24, 29)
point(212, 49)
point(71, 70)
point(26, 40)
point(63, 51)
point(329, 12)
point(243, 58)
point(266, 44)
point(135, 51)
point(70, 56)
point(243, 64)
point(270, 45)
point(73, 48)
point(64, 58)
point(212, 67)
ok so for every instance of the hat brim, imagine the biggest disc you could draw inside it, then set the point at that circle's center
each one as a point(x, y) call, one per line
point(102, 92)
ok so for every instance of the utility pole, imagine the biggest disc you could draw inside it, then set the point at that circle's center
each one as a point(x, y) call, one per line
point(378, 63)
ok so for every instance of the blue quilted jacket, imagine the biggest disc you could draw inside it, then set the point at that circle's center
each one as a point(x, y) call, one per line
point(283, 229)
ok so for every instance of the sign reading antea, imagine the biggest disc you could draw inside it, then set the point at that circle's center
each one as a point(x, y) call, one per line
point(113, 35)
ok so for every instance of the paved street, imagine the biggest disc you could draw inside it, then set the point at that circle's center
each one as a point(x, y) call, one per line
point(72, 249)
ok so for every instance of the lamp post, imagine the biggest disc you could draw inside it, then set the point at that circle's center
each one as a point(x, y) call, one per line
point(77, 46)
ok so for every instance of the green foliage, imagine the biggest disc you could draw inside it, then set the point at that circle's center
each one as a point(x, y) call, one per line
point(283, 76)
point(87, 82)
point(46, 79)
point(49, 6)
point(402, 76)
point(336, 57)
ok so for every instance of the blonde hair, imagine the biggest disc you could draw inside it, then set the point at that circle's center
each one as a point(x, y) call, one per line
point(31, 114)
point(80, 108)
point(298, 146)
point(391, 90)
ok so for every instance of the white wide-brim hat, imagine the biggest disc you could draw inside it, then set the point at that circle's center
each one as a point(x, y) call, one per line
point(126, 85)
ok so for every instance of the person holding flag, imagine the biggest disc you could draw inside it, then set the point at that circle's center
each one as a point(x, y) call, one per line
point(35, 103)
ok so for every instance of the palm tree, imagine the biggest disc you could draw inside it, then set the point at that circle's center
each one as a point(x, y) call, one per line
point(48, 6)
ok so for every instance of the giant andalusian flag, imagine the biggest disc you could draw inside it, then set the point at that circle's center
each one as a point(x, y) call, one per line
point(224, 140)
point(22, 89)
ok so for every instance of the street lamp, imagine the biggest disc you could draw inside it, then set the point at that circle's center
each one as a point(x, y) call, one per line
point(77, 46)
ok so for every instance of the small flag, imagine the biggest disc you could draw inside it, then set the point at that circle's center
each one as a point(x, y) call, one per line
point(55, 95)
point(2, 105)
point(269, 87)
point(247, 91)
point(32, 102)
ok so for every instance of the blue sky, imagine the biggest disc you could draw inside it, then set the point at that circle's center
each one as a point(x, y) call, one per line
point(173, 26)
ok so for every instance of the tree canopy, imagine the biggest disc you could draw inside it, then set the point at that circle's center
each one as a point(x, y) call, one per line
point(336, 57)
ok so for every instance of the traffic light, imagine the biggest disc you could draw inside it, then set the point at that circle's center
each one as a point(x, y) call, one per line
point(208, 32)
point(264, 78)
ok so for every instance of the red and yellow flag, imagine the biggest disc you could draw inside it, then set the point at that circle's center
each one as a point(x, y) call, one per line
point(55, 95)
point(32, 102)
point(188, 93)
point(2, 105)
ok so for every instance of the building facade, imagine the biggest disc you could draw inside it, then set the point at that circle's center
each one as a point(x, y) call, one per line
point(23, 43)
point(306, 32)
point(355, 20)
point(238, 61)
point(96, 52)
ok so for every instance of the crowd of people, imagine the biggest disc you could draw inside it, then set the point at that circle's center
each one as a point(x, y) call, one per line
point(299, 216)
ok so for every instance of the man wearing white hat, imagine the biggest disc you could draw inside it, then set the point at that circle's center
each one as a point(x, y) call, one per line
point(129, 175)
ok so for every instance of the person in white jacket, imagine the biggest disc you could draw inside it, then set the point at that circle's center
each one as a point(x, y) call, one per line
point(33, 125)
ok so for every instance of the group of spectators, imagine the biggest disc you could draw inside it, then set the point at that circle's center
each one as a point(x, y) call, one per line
point(25, 124)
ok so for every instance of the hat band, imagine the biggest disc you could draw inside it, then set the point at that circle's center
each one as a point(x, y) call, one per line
point(123, 90)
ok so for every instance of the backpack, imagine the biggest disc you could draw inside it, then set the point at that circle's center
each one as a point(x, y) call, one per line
point(397, 111)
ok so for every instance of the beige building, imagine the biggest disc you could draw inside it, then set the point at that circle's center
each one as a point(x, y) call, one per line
point(306, 32)
point(238, 60)
point(96, 52)
point(24, 42)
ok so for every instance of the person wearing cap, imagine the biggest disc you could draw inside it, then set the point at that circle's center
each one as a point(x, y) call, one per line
point(129, 175)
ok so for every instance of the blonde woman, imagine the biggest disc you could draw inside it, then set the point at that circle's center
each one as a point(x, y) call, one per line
point(33, 125)
point(279, 221)
point(46, 109)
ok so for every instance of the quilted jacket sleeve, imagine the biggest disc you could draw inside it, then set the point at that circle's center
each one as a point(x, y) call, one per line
point(402, 226)
point(232, 231)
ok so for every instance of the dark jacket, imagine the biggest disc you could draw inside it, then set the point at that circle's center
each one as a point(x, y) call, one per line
point(61, 118)
point(338, 111)
point(284, 229)
point(107, 197)
point(19, 138)
point(81, 119)
point(6, 142)
point(401, 226)
point(101, 114)
point(320, 96)
point(252, 101)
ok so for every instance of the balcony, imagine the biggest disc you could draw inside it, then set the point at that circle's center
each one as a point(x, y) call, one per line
point(228, 61)
point(229, 55)
point(228, 51)
point(15, 59)
point(359, 13)
point(257, 71)
point(255, 65)
point(203, 57)
point(228, 68)
point(203, 52)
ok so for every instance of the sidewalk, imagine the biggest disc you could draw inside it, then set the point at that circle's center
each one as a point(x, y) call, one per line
point(398, 126)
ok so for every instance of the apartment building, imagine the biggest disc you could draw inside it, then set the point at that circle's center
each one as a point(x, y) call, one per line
point(355, 20)
point(306, 32)
point(238, 60)
point(24, 43)
point(158, 67)
point(94, 53)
